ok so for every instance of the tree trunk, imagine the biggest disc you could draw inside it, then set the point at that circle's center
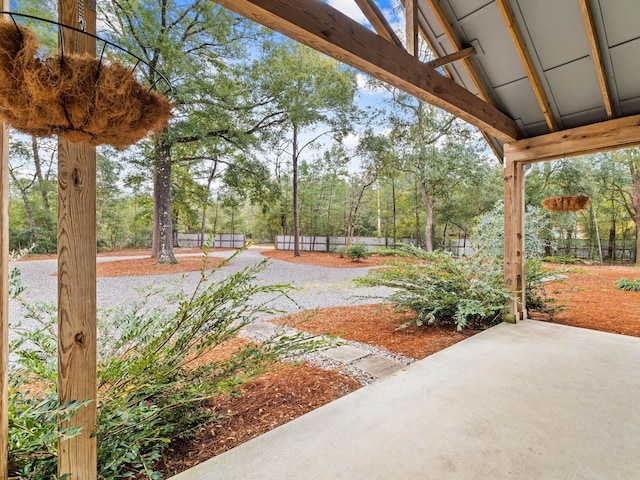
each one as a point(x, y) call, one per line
point(393, 199)
point(162, 203)
point(428, 227)
point(41, 185)
point(205, 205)
point(296, 213)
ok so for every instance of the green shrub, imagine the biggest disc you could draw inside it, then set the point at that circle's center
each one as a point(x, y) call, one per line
point(151, 390)
point(341, 252)
point(443, 289)
point(563, 260)
point(357, 252)
point(628, 285)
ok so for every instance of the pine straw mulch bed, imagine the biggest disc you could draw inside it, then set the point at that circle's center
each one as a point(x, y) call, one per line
point(378, 325)
point(589, 299)
point(324, 259)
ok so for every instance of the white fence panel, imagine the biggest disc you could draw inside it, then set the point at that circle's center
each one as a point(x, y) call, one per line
point(221, 240)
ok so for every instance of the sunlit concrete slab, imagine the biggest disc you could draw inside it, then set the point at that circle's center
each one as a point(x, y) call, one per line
point(527, 401)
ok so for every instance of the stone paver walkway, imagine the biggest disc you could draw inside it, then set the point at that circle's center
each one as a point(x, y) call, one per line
point(371, 362)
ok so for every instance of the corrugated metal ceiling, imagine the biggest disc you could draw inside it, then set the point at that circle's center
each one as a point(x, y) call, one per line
point(556, 36)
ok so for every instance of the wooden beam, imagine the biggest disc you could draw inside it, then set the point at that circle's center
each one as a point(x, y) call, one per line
point(324, 28)
point(455, 39)
point(527, 61)
point(77, 273)
point(453, 57)
point(4, 293)
point(411, 21)
point(472, 71)
point(587, 14)
point(378, 21)
point(598, 137)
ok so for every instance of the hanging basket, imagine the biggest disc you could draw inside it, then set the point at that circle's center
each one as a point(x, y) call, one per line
point(568, 203)
point(78, 97)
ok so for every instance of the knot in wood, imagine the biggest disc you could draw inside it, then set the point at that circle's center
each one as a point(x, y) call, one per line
point(80, 339)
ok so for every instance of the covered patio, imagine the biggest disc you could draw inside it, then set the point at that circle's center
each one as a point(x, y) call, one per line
point(542, 80)
point(533, 400)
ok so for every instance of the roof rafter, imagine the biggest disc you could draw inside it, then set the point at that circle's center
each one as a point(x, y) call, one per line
point(327, 30)
point(587, 14)
point(453, 57)
point(472, 71)
point(527, 61)
point(411, 17)
point(378, 21)
point(455, 39)
point(598, 137)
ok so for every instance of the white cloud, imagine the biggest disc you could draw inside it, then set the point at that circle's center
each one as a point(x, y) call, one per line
point(349, 8)
point(351, 141)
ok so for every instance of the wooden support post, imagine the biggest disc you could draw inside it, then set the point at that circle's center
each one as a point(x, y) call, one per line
point(4, 293)
point(411, 11)
point(77, 271)
point(520, 238)
point(4, 301)
point(514, 238)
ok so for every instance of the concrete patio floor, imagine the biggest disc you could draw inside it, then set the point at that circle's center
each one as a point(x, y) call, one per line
point(528, 401)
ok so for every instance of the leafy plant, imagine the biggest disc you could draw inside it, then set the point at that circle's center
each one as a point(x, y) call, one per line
point(357, 252)
point(443, 289)
point(152, 388)
point(628, 285)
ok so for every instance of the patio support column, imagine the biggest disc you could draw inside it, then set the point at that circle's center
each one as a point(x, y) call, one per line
point(514, 271)
point(4, 294)
point(77, 270)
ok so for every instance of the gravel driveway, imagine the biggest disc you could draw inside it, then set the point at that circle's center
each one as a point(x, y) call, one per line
point(315, 287)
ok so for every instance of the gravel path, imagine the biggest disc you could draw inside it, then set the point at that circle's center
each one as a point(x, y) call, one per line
point(315, 287)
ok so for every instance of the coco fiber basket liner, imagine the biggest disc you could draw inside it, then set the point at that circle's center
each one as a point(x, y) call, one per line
point(76, 97)
point(571, 203)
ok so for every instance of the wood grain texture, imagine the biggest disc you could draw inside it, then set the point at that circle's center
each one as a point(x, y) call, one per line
point(378, 21)
point(77, 276)
point(587, 14)
point(513, 237)
point(455, 39)
point(527, 61)
point(4, 301)
point(453, 57)
point(4, 293)
point(333, 33)
point(598, 137)
point(411, 21)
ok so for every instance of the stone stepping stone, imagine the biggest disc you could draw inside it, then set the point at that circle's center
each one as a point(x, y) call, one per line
point(379, 367)
point(264, 329)
point(345, 353)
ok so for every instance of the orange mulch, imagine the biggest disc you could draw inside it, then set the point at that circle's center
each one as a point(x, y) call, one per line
point(589, 299)
point(324, 259)
point(377, 325)
point(148, 266)
point(271, 400)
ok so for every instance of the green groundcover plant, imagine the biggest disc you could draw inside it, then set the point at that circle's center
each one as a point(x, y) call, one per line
point(628, 285)
point(152, 390)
